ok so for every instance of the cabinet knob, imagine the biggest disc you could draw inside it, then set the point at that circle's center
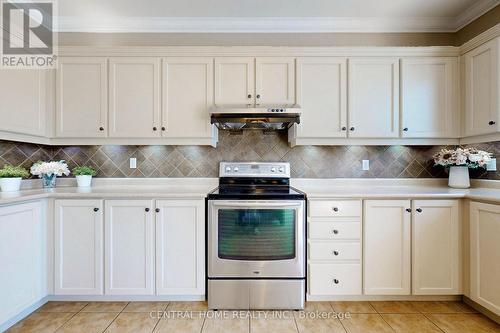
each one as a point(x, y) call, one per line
point(352, 129)
point(335, 209)
point(405, 129)
point(101, 128)
point(157, 210)
point(335, 231)
point(335, 253)
point(336, 281)
point(163, 128)
point(258, 96)
point(408, 210)
point(249, 96)
point(154, 128)
point(419, 210)
point(344, 128)
point(492, 122)
point(96, 209)
point(146, 209)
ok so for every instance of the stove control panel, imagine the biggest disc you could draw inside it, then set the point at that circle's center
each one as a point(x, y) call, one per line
point(254, 169)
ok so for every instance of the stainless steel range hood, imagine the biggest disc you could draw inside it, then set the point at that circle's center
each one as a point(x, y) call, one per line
point(265, 117)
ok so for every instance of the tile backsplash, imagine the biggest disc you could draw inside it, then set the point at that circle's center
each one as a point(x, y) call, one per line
point(203, 161)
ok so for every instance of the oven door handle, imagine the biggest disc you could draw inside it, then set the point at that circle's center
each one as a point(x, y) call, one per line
point(256, 204)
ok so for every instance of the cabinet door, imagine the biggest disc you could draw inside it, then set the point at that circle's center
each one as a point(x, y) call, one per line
point(187, 95)
point(274, 81)
point(435, 247)
point(482, 77)
point(180, 233)
point(134, 97)
point(428, 97)
point(129, 247)
point(386, 239)
point(484, 255)
point(23, 98)
point(22, 258)
point(78, 247)
point(82, 97)
point(234, 81)
point(321, 92)
point(373, 91)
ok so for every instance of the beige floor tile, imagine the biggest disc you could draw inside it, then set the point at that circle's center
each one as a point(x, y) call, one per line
point(105, 307)
point(353, 307)
point(139, 322)
point(62, 307)
point(410, 323)
point(464, 322)
point(145, 306)
point(442, 307)
point(226, 325)
point(394, 307)
point(41, 322)
point(274, 325)
point(187, 306)
point(180, 325)
point(366, 323)
point(318, 307)
point(307, 324)
point(88, 322)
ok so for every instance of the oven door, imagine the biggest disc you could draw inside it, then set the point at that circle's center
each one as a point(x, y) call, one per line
point(256, 239)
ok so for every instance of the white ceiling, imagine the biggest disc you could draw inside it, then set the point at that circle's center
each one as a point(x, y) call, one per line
point(269, 15)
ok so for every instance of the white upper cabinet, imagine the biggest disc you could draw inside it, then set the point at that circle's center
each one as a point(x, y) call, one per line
point(234, 81)
point(386, 247)
point(435, 247)
point(79, 231)
point(484, 255)
point(187, 94)
point(129, 247)
point(180, 249)
point(429, 97)
point(82, 97)
point(23, 98)
point(274, 81)
point(321, 92)
point(134, 97)
point(373, 102)
point(482, 96)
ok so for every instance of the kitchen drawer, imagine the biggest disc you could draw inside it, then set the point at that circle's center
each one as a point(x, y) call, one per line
point(320, 250)
point(334, 208)
point(335, 279)
point(334, 230)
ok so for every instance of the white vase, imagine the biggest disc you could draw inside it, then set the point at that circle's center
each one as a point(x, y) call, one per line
point(10, 184)
point(84, 180)
point(459, 177)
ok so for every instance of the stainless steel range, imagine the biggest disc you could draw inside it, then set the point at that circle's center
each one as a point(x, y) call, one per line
point(256, 239)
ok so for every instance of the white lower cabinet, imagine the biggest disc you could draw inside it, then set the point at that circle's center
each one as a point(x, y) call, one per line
point(435, 247)
point(386, 247)
point(129, 247)
point(335, 279)
point(180, 247)
point(78, 264)
point(22, 258)
point(485, 255)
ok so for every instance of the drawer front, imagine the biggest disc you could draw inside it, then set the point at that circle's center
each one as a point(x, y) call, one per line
point(335, 279)
point(334, 208)
point(334, 230)
point(334, 251)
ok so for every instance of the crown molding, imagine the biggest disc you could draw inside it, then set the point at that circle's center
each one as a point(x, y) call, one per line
point(479, 8)
point(480, 39)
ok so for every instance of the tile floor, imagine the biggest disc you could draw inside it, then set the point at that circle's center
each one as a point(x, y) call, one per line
point(318, 317)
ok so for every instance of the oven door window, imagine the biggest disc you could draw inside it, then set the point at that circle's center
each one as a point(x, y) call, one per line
point(256, 234)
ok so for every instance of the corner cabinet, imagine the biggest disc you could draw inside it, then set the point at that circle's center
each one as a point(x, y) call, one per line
point(134, 97)
point(484, 255)
point(429, 88)
point(482, 89)
point(82, 97)
point(373, 97)
point(79, 247)
point(180, 249)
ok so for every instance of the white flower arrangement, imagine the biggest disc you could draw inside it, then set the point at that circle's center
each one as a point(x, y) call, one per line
point(49, 168)
point(469, 157)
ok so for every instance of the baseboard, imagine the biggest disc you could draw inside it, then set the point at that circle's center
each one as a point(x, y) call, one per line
point(482, 309)
point(23, 314)
point(125, 298)
point(313, 298)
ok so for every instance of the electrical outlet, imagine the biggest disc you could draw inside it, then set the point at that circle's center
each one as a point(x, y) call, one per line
point(133, 163)
point(492, 165)
point(366, 165)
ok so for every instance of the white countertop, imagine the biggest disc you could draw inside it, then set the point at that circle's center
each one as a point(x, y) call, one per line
point(314, 188)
